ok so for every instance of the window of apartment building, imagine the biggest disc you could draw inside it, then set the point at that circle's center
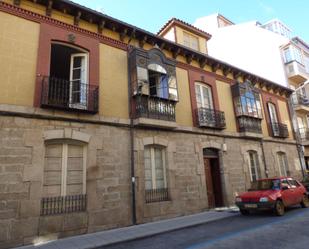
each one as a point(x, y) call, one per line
point(156, 76)
point(158, 81)
point(306, 62)
point(68, 77)
point(155, 174)
point(203, 96)
point(248, 103)
point(64, 183)
point(254, 167)
point(190, 41)
point(282, 163)
point(273, 118)
point(292, 53)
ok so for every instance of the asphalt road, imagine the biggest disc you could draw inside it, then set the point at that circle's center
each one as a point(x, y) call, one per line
point(263, 230)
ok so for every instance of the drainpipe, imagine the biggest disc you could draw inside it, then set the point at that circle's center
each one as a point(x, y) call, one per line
point(133, 199)
point(296, 135)
point(264, 158)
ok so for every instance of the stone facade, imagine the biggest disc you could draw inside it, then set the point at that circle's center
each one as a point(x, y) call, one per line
point(108, 184)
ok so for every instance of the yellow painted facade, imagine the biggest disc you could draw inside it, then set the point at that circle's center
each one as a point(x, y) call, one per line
point(226, 105)
point(113, 97)
point(19, 41)
point(201, 40)
point(20, 55)
point(183, 107)
point(285, 117)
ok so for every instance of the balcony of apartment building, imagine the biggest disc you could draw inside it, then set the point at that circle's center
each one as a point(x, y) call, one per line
point(67, 87)
point(295, 64)
point(154, 89)
point(300, 102)
point(296, 72)
point(248, 110)
point(210, 118)
point(304, 135)
point(279, 130)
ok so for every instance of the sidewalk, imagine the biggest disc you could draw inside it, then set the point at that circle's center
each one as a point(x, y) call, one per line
point(119, 235)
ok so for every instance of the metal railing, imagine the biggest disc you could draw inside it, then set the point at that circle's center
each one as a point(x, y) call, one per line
point(300, 99)
point(249, 124)
point(154, 108)
point(63, 204)
point(279, 130)
point(211, 118)
point(304, 133)
point(69, 95)
point(156, 195)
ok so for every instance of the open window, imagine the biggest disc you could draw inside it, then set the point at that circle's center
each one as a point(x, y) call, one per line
point(67, 86)
point(273, 118)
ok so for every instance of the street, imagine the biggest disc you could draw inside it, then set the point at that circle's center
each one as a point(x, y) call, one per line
point(261, 230)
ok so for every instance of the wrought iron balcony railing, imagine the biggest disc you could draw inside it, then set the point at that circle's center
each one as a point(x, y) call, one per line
point(154, 108)
point(211, 118)
point(300, 99)
point(156, 195)
point(63, 204)
point(279, 130)
point(249, 124)
point(304, 134)
point(69, 95)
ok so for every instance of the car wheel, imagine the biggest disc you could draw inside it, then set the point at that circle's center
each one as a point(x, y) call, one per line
point(305, 202)
point(244, 211)
point(279, 208)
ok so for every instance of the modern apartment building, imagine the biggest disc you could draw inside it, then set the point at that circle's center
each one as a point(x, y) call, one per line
point(268, 51)
point(106, 125)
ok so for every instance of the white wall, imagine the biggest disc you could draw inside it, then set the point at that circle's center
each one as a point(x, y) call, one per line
point(249, 47)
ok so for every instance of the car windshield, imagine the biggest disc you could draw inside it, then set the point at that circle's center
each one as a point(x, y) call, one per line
point(269, 184)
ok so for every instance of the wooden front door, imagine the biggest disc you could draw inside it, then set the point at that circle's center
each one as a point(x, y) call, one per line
point(209, 183)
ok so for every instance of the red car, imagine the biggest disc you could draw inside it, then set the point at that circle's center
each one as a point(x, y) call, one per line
point(273, 194)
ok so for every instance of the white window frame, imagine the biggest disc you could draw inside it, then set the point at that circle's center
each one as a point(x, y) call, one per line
point(285, 165)
point(202, 88)
point(83, 80)
point(64, 166)
point(256, 164)
point(153, 165)
point(188, 41)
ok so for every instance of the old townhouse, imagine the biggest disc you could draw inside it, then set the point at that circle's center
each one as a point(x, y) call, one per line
point(105, 125)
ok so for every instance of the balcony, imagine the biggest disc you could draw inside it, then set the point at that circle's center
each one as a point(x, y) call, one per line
point(156, 195)
point(63, 204)
point(296, 72)
point(279, 130)
point(211, 118)
point(249, 126)
point(300, 102)
point(154, 111)
point(304, 135)
point(68, 95)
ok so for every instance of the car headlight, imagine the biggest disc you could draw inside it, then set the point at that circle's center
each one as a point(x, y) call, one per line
point(263, 199)
point(238, 199)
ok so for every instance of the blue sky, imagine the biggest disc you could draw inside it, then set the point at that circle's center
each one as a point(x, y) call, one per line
point(151, 15)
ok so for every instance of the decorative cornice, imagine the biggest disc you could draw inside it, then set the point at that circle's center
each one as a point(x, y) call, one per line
point(29, 15)
point(132, 32)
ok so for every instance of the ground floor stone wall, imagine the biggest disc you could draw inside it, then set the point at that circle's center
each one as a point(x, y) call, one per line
point(108, 175)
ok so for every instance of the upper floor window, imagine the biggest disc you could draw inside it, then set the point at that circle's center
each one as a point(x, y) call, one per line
point(247, 100)
point(64, 182)
point(203, 96)
point(273, 118)
point(254, 165)
point(306, 62)
point(292, 53)
point(282, 163)
point(190, 41)
point(67, 85)
point(152, 74)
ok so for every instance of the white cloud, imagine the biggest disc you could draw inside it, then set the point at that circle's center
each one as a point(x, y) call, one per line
point(266, 8)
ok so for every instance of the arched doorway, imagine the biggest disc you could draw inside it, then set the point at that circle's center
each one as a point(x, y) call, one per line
point(213, 177)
